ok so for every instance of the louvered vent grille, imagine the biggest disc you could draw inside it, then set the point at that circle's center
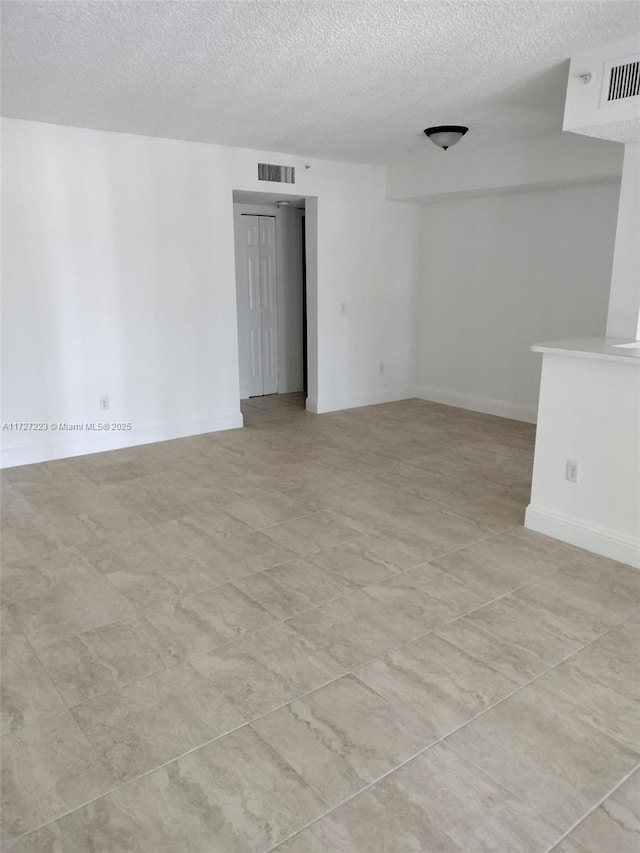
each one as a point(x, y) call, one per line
point(624, 81)
point(278, 174)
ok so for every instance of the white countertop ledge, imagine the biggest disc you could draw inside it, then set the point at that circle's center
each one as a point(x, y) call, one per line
point(604, 349)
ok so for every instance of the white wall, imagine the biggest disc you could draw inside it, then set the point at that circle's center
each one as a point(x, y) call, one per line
point(623, 320)
point(562, 159)
point(119, 279)
point(375, 256)
point(501, 272)
point(590, 413)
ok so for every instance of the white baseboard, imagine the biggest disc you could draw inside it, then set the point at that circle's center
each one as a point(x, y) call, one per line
point(599, 540)
point(83, 443)
point(501, 408)
point(354, 401)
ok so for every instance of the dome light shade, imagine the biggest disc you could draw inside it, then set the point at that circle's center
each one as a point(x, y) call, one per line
point(446, 135)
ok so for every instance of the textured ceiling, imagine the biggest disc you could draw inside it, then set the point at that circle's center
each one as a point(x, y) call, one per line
point(343, 80)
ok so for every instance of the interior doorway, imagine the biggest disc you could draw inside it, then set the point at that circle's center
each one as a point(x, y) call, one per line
point(271, 291)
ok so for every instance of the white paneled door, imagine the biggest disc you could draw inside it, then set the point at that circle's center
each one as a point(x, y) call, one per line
point(257, 304)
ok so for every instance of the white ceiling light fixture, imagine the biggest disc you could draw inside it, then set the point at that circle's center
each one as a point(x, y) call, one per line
point(446, 135)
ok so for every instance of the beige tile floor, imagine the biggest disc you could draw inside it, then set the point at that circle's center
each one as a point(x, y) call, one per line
point(320, 634)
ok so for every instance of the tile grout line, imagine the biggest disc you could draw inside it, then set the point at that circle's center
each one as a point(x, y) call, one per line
point(279, 622)
point(249, 722)
point(444, 738)
point(248, 532)
point(297, 557)
point(351, 671)
point(285, 621)
point(328, 509)
point(593, 809)
point(433, 629)
point(34, 651)
point(117, 787)
point(542, 675)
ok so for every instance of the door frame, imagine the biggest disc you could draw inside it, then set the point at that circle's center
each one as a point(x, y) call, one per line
point(301, 225)
point(309, 308)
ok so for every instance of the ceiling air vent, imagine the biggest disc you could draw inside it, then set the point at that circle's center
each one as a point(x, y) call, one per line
point(603, 92)
point(277, 174)
point(624, 81)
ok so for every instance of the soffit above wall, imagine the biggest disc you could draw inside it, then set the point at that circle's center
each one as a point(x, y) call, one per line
point(246, 197)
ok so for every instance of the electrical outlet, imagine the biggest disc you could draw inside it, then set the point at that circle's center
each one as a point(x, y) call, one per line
point(572, 471)
point(104, 403)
